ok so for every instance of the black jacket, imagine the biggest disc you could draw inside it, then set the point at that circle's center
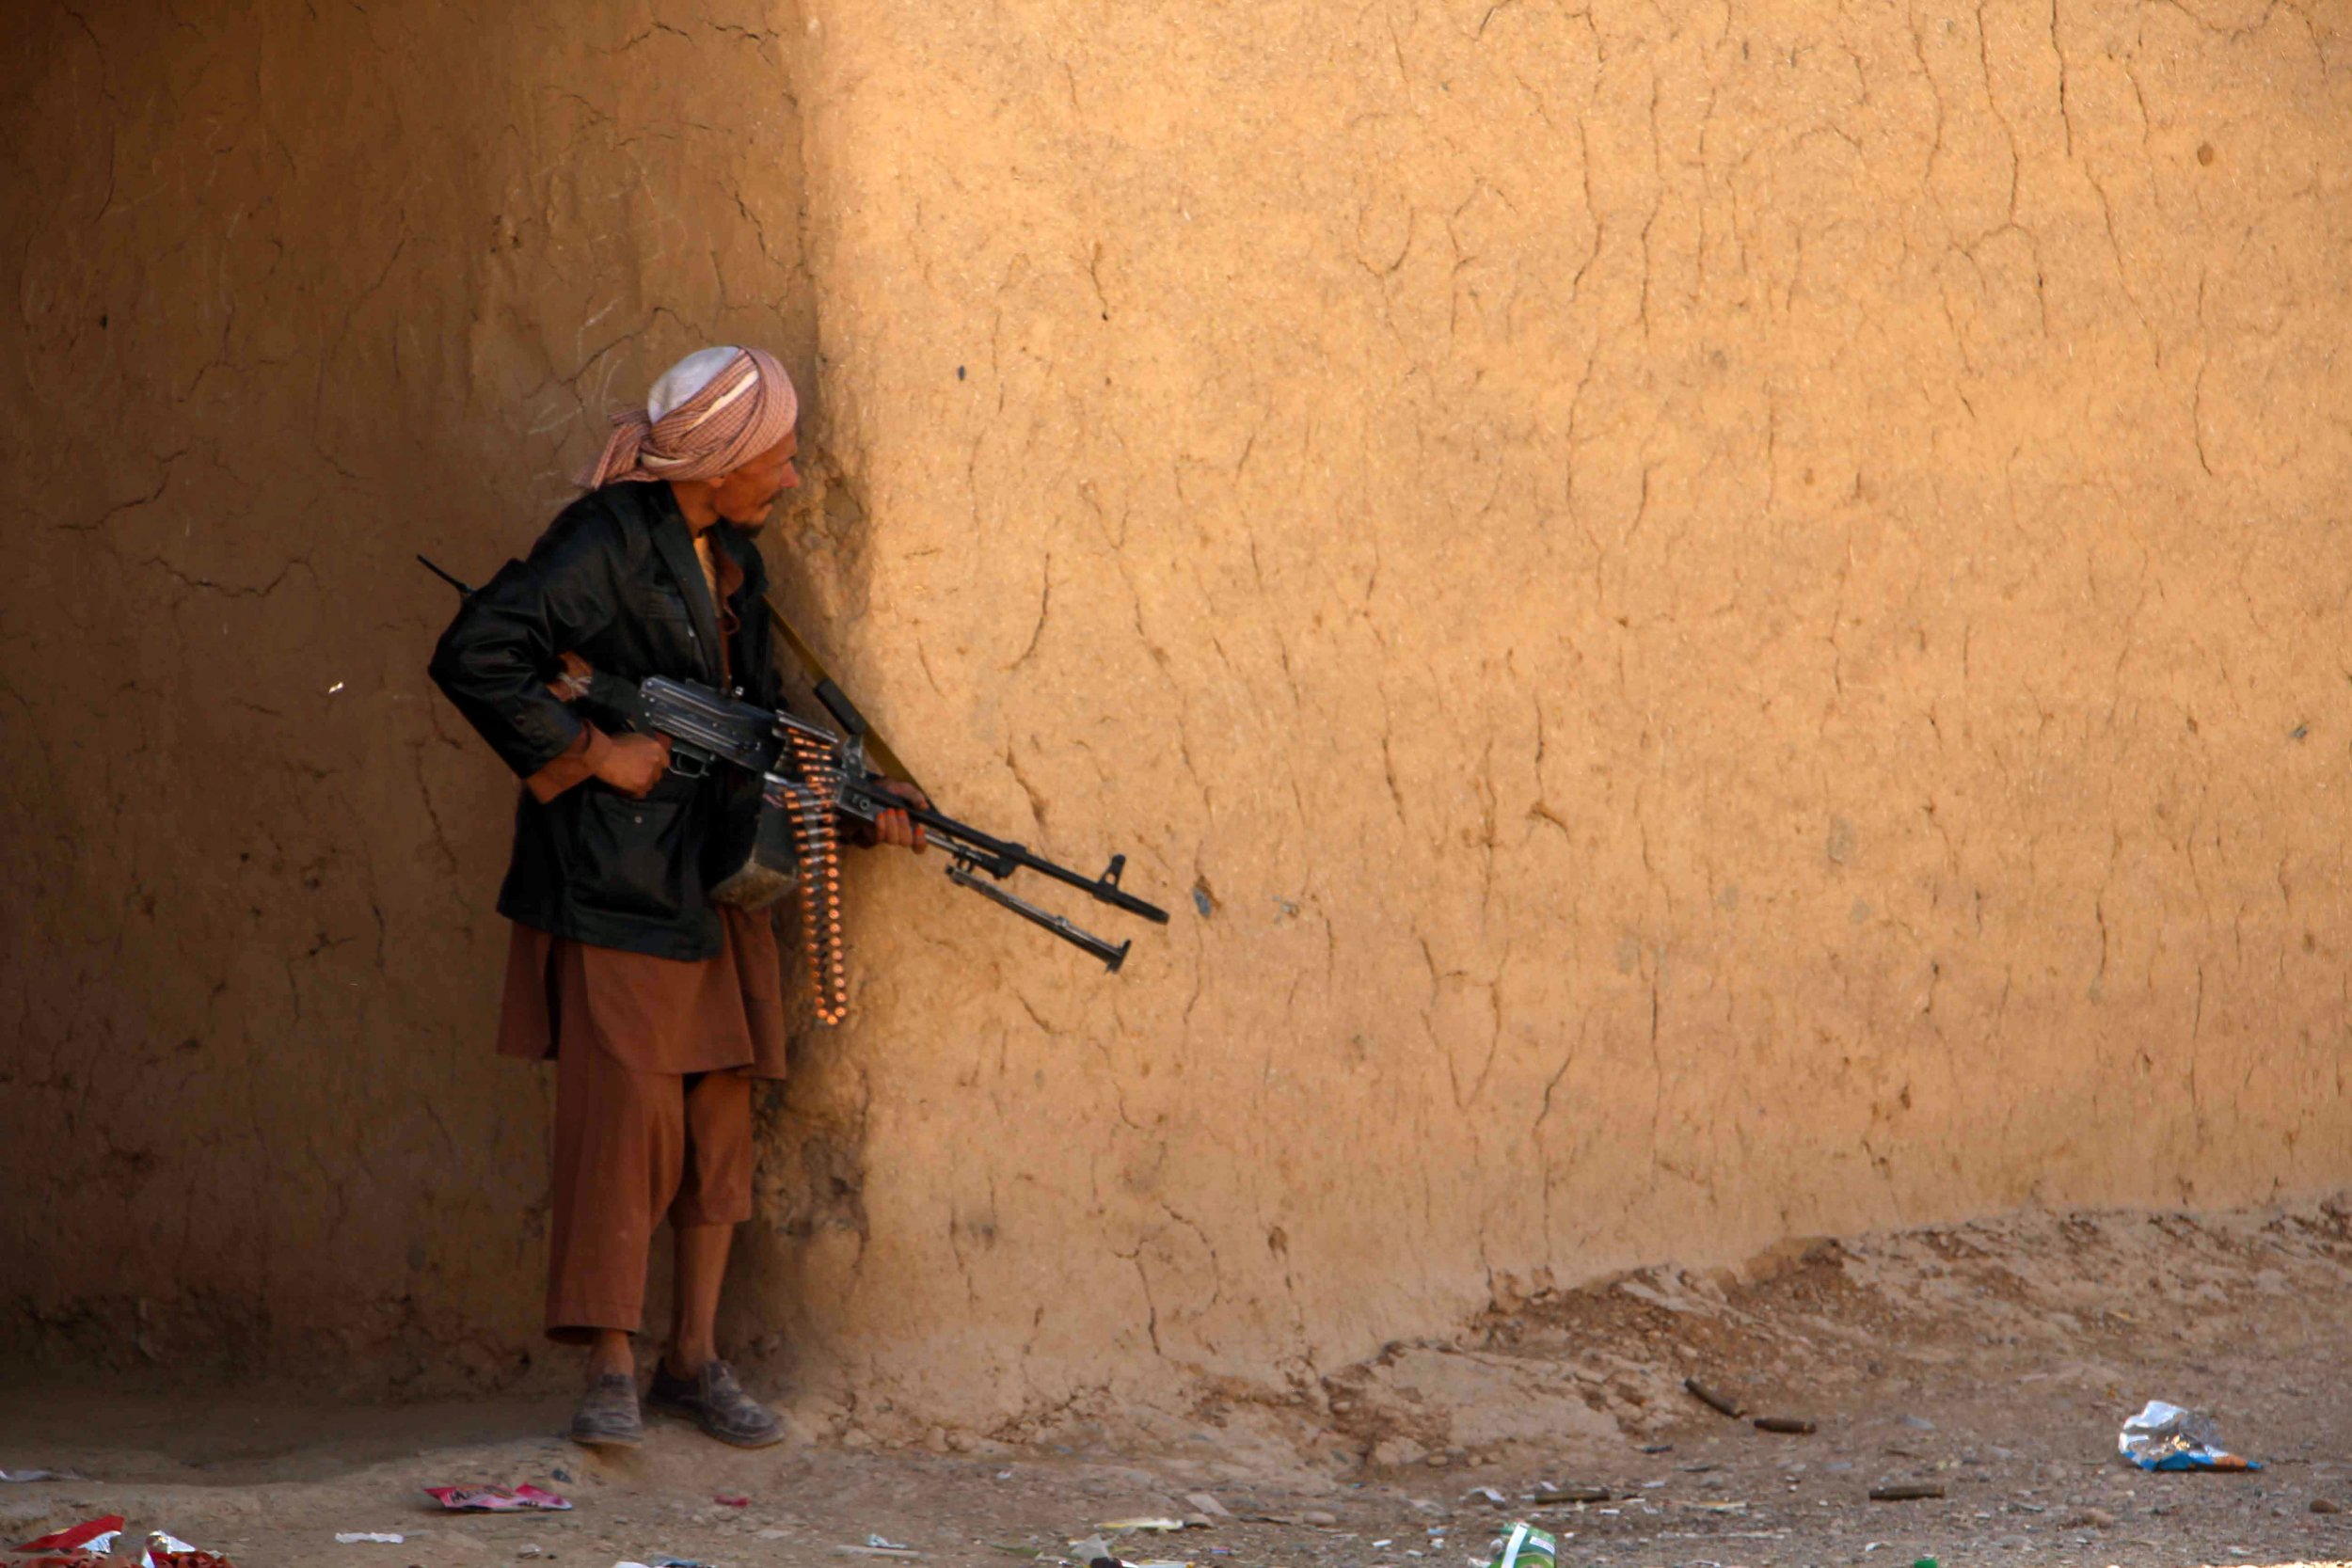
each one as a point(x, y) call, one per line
point(615, 581)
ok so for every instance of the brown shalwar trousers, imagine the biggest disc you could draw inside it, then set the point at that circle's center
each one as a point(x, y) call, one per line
point(631, 1147)
point(655, 1060)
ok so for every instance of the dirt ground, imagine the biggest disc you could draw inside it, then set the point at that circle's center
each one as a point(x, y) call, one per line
point(1995, 1359)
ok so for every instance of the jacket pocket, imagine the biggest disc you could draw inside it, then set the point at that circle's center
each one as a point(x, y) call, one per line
point(631, 857)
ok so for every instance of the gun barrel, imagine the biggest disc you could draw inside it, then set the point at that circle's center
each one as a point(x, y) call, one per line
point(465, 590)
point(1000, 858)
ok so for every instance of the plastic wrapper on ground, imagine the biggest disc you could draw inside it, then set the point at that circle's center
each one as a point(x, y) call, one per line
point(2168, 1437)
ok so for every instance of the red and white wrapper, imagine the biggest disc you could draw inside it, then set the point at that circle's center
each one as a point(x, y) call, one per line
point(95, 1536)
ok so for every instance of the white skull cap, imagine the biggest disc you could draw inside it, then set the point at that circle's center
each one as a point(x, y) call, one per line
point(684, 378)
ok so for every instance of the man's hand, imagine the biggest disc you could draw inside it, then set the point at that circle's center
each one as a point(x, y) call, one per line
point(897, 827)
point(633, 764)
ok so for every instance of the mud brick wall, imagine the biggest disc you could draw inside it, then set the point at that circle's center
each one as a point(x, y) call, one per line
point(1719, 622)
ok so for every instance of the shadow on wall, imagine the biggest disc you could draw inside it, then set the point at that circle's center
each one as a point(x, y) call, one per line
point(302, 294)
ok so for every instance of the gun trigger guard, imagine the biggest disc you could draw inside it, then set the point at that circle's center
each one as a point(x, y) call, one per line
point(688, 764)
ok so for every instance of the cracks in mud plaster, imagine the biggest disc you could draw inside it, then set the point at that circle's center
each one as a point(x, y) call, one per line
point(1038, 808)
point(98, 524)
point(2204, 362)
point(1993, 102)
point(231, 590)
point(2233, 34)
point(1045, 608)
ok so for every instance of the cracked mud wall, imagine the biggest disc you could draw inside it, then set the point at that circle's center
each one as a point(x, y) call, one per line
point(1716, 624)
point(1735, 613)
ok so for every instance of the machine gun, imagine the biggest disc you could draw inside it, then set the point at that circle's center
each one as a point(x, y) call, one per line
point(810, 780)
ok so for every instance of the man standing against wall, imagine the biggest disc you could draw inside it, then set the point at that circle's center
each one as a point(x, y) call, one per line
point(659, 1004)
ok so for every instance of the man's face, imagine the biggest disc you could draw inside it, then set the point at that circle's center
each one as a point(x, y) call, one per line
point(744, 497)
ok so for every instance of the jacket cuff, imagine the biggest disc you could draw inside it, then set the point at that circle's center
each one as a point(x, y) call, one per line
point(579, 761)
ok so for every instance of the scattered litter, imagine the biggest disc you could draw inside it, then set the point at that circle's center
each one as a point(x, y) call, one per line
point(1547, 1496)
point(21, 1476)
point(1321, 1518)
point(1493, 1497)
point(1118, 1527)
point(681, 1562)
point(1525, 1547)
point(729, 1499)
point(1924, 1563)
point(2167, 1437)
point(95, 1536)
point(495, 1500)
point(1906, 1492)
point(882, 1543)
point(562, 1474)
point(332, 689)
point(1011, 1550)
point(1658, 1447)
point(1795, 1426)
point(1715, 1508)
point(629, 1564)
point(875, 1551)
point(1721, 1404)
point(1207, 1502)
point(1873, 1547)
point(2322, 1505)
point(168, 1551)
point(353, 1537)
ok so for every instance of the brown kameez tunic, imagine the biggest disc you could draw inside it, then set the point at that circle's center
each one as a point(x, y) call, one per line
point(654, 1062)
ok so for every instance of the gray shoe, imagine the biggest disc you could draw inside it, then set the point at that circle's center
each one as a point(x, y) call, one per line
point(713, 1401)
point(607, 1416)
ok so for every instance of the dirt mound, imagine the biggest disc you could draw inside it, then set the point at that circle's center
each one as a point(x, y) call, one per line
point(2089, 1301)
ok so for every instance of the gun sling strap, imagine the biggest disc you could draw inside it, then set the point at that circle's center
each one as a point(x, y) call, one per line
point(829, 693)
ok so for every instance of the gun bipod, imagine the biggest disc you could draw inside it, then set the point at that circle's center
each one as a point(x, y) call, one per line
point(1078, 936)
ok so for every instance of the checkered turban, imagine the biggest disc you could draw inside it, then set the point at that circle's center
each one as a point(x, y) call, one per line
point(710, 414)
